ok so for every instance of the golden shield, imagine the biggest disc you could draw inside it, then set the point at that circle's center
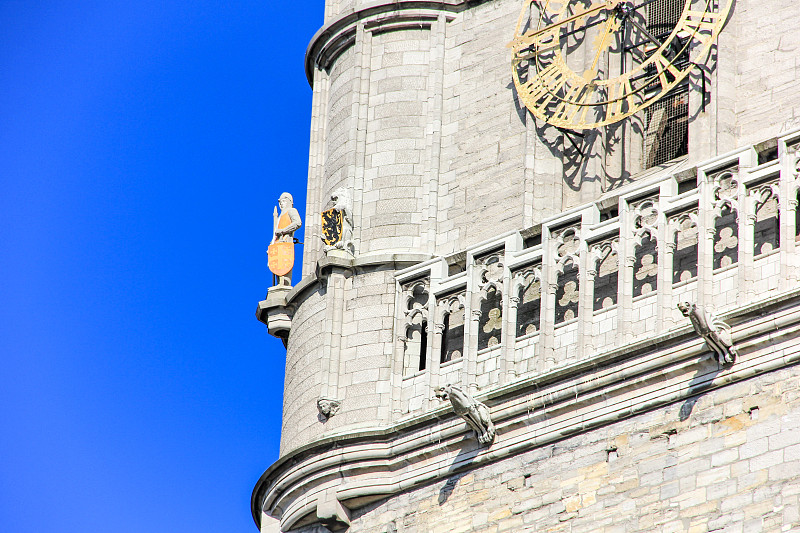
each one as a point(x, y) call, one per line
point(281, 258)
point(331, 226)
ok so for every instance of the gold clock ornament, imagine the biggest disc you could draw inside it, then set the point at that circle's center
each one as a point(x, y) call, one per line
point(581, 64)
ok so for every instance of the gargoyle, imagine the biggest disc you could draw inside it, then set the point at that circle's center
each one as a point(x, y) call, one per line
point(474, 413)
point(714, 331)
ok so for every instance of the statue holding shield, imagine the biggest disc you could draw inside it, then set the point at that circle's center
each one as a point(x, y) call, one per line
point(281, 249)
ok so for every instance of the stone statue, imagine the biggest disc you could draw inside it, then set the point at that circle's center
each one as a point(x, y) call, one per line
point(288, 221)
point(337, 223)
point(281, 249)
point(714, 331)
point(474, 413)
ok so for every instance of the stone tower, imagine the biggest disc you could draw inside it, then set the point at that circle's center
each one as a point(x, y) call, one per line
point(492, 341)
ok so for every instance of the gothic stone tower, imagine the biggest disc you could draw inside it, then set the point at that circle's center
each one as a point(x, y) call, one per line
point(492, 341)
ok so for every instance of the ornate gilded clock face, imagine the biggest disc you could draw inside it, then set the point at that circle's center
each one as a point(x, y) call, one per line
point(581, 64)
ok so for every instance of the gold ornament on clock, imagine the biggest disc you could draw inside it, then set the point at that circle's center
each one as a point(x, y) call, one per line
point(581, 64)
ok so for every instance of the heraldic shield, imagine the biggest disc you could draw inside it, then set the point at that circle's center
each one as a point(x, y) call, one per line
point(281, 258)
point(331, 227)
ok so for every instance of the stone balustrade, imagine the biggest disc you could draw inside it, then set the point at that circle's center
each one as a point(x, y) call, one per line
point(600, 277)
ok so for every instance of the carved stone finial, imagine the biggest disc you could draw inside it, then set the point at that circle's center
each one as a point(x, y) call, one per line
point(328, 407)
point(714, 331)
point(473, 412)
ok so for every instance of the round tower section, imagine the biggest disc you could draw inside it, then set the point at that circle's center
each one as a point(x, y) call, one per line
point(377, 74)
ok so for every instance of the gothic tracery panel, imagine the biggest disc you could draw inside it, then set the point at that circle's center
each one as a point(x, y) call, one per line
point(453, 316)
point(490, 282)
point(726, 224)
point(567, 275)
point(767, 218)
point(529, 307)
point(726, 238)
point(684, 262)
point(567, 293)
point(415, 324)
point(607, 281)
point(645, 267)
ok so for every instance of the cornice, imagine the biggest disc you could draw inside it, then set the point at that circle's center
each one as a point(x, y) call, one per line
point(338, 33)
point(529, 413)
point(389, 260)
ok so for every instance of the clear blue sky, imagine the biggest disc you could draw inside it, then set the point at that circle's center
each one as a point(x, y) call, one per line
point(143, 146)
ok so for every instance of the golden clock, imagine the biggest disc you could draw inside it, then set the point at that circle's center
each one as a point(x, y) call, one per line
point(581, 64)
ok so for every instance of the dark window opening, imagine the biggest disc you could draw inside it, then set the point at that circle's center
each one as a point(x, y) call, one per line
point(607, 280)
point(423, 345)
point(667, 128)
point(666, 122)
point(686, 186)
point(767, 227)
point(533, 240)
point(443, 355)
point(797, 218)
point(529, 308)
point(608, 214)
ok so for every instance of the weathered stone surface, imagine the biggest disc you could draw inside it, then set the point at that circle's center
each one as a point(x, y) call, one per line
point(629, 494)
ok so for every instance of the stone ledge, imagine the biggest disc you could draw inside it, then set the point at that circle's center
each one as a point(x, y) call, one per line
point(529, 413)
point(280, 301)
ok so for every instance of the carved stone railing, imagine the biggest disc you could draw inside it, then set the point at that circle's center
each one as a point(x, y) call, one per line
point(608, 274)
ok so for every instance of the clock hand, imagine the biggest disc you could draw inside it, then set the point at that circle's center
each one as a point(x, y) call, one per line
point(523, 41)
point(611, 26)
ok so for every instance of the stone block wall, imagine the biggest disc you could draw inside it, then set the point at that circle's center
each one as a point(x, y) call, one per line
point(767, 68)
point(726, 461)
point(395, 144)
point(340, 348)
point(304, 361)
point(484, 138)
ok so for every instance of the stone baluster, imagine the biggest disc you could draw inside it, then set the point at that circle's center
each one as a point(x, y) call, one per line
point(510, 337)
point(627, 260)
point(397, 375)
point(586, 345)
point(663, 272)
point(746, 288)
point(627, 264)
point(666, 273)
point(705, 242)
point(585, 293)
point(436, 350)
point(547, 314)
point(472, 315)
point(332, 364)
point(746, 221)
point(472, 353)
point(430, 352)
